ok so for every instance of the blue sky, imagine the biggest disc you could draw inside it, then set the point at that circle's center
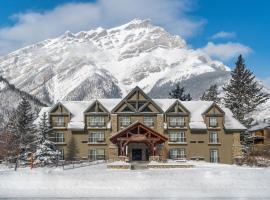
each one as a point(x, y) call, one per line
point(222, 28)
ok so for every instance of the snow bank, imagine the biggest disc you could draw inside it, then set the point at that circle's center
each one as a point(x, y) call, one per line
point(208, 181)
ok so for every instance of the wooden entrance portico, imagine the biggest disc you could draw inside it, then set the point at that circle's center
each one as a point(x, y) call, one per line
point(137, 133)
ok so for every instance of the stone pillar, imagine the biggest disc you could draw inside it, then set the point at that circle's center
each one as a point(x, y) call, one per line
point(160, 123)
point(114, 123)
point(237, 147)
point(113, 152)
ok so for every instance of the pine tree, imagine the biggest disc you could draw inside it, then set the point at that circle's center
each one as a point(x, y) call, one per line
point(46, 151)
point(179, 93)
point(72, 149)
point(243, 94)
point(22, 131)
point(211, 94)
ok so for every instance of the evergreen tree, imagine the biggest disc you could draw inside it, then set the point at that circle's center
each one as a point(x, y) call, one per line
point(46, 151)
point(243, 94)
point(72, 149)
point(22, 131)
point(179, 93)
point(211, 94)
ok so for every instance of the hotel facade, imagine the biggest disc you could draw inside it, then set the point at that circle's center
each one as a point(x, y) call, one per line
point(140, 128)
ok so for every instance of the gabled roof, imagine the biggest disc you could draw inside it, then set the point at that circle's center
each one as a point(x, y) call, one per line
point(177, 102)
point(196, 110)
point(93, 104)
point(120, 133)
point(136, 89)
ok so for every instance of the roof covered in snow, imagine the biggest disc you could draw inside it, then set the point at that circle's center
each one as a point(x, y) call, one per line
point(259, 126)
point(195, 108)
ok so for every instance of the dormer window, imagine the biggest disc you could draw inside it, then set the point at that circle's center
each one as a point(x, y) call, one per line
point(177, 121)
point(213, 121)
point(59, 121)
point(96, 121)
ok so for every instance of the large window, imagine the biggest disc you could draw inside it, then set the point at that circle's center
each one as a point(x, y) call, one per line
point(214, 156)
point(213, 137)
point(96, 154)
point(124, 121)
point(58, 121)
point(59, 137)
point(176, 121)
point(177, 137)
point(148, 121)
point(177, 153)
point(213, 121)
point(96, 121)
point(96, 137)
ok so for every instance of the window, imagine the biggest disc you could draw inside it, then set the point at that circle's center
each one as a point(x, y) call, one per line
point(59, 137)
point(59, 121)
point(214, 156)
point(96, 154)
point(212, 121)
point(61, 154)
point(213, 137)
point(177, 153)
point(96, 137)
point(148, 121)
point(96, 121)
point(176, 121)
point(124, 121)
point(177, 137)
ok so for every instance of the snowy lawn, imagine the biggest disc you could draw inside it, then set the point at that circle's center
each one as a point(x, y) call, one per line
point(203, 181)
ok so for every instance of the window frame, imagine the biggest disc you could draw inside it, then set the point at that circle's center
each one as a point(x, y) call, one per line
point(124, 123)
point(99, 137)
point(177, 153)
point(93, 122)
point(176, 123)
point(214, 159)
point(179, 136)
point(58, 139)
point(211, 122)
point(93, 154)
point(213, 140)
point(149, 123)
point(57, 122)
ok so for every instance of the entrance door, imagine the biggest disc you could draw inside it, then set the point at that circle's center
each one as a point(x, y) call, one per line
point(136, 154)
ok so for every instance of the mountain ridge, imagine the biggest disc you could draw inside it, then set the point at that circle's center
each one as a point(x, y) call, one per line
point(108, 63)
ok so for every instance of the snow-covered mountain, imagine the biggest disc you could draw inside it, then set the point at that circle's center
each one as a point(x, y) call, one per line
point(110, 62)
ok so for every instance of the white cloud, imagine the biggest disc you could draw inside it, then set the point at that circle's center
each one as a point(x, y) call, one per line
point(31, 27)
point(223, 35)
point(226, 51)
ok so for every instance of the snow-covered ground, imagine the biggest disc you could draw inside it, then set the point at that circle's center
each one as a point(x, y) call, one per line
point(206, 181)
